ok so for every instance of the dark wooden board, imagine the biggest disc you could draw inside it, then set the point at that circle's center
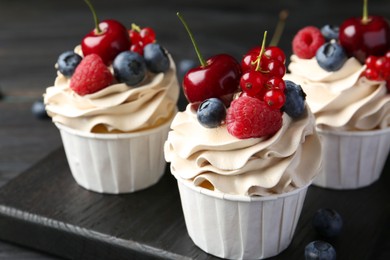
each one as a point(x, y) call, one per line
point(46, 210)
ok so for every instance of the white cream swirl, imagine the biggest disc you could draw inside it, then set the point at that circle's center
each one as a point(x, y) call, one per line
point(214, 159)
point(117, 107)
point(342, 99)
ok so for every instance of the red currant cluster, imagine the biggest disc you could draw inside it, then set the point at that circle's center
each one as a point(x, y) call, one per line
point(378, 68)
point(140, 38)
point(263, 70)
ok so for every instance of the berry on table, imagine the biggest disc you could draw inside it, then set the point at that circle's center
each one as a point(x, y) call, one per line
point(211, 113)
point(331, 56)
point(294, 105)
point(38, 109)
point(319, 250)
point(249, 117)
point(327, 222)
point(67, 63)
point(90, 76)
point(129, 67)
point(307, 41)
point(156, 58)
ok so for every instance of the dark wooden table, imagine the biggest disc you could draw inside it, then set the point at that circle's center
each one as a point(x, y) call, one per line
point(45, 215)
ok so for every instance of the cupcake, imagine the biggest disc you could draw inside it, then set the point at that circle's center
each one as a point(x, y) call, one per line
point(351, 106)
point(243, 169)
point(114, 111)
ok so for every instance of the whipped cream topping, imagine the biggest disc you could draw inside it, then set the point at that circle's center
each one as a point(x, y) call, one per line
point(342, 99)
point(117, 107)
point(214, 159)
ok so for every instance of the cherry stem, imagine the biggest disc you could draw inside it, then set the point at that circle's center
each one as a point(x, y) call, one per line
point(95, 18)
point(201, 60)
point(279, 28)
point(365, 12)
point(261, 52)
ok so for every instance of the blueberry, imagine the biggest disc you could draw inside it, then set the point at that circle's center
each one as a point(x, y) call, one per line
point(129, 67)
point(295, 99)
point(331, 56)
point(67, 63)
point(211, 113)
point(156, 58)
point(38, 109)
point(330, 32)
point(320, 250)
point(327, 222)
point(185, 65)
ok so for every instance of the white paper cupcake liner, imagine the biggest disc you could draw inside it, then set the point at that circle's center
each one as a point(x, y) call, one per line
point(240, 227)
point(115, 163)
point(352, 160)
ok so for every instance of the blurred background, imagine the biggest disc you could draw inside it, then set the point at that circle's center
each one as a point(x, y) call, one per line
point(34, 33)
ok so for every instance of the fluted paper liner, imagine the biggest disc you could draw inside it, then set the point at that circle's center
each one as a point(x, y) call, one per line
point(240, 227)
point(352, 160)
point(115, 163)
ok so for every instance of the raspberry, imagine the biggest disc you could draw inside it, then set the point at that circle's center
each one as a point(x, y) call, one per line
point(90, 76)
point(250, 117)
point(307, 41)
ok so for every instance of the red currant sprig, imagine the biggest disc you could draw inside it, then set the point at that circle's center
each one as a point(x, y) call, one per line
point(264, 69)
point(378, 68)
point(140, 38)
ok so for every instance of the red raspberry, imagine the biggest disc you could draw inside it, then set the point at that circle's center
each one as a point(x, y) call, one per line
point(90, 76)
point(307, 41)
point(249, 117)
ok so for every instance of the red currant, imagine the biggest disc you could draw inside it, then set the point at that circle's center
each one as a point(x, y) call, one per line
point(134, 36)
point(382, 65)
point(252, 82)
point(387, 55)
point(137, 48)
point(275, 53)
point(371, 74)
point(275, 98)
point(370, 61)
point(147, 35)
point(247, 62)
point(275, 83)
point(274, 68)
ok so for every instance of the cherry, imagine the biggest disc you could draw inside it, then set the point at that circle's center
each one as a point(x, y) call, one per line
point(217, 77)
point(107, 40)
point(362, 37)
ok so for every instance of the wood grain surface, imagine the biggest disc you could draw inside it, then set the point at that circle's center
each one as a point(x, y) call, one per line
point(73, 223)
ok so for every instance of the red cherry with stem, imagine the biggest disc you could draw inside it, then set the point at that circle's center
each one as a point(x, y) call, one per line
point(252, 82)
point(275, 98)
point(217, 77)
point(107, 40)
point(365, 36)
